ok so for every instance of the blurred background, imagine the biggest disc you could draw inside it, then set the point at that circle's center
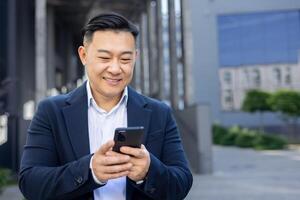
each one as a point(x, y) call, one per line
point(229, 69)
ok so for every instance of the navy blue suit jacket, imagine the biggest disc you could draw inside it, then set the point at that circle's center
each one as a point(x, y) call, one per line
point(56, 157)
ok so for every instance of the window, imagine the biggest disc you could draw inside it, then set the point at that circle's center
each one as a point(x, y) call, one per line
point(277, 75)
point(227, 77)
point(256, 77)
point(228, 99)
point(288, 77)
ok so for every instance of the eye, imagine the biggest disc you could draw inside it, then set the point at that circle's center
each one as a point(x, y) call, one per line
point(125, 60)
point(104, 58)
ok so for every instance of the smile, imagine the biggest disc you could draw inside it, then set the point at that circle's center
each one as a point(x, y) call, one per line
point(112, 81)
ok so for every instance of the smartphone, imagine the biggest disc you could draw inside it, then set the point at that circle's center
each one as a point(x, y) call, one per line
point(130, 136)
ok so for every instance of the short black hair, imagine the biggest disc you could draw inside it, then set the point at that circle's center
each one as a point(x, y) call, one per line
point(108, 21)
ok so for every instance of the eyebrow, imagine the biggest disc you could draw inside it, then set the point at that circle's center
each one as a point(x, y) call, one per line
point(106, 51)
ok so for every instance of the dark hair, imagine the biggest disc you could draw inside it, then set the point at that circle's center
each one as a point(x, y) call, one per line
point(108, 21)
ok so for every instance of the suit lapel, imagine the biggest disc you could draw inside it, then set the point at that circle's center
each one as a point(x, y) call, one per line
point(137, 113)
point(76, 117)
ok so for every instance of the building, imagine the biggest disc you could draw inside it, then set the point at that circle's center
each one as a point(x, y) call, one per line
point(236, 81)
point(224, 40)
point(258, 50)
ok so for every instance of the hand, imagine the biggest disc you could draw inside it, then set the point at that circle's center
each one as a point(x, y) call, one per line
point(140, 160)
point(107, 165)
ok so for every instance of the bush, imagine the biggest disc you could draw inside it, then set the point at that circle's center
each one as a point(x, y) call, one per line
point(229, 138)
point(245, 139)
point(4, 178)
point(271, 142)
point(218, 133)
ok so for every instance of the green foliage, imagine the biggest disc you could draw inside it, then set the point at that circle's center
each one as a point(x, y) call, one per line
point(256, 101)
point(264, 141)
point(287, 102)
point(229, 138)
point(245, 138)
point(218, 133)
point(4, 178)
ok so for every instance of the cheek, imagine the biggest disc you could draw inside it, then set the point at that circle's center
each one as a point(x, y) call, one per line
point(96, 68)
point(128, 71)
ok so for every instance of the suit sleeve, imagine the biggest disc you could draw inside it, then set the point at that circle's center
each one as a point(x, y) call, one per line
point(169, 177)
point(41, 175)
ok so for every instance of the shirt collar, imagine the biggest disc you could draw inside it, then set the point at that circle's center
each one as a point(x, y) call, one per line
point(91, 99)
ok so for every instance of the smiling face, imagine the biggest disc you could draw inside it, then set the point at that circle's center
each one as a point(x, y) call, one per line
point(109, 61)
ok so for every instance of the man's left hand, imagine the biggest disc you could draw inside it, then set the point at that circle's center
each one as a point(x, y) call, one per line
point(140, 159)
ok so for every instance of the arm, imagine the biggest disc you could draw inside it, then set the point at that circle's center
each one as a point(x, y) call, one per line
point(42, 175)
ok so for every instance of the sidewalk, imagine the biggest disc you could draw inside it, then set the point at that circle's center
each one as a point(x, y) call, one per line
point(239, 174)
point(11, 193)
point(245, 174)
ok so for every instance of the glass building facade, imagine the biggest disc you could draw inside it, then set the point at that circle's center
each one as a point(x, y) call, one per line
point(259, 38)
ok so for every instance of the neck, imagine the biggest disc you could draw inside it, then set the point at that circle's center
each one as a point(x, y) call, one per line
point(106, 103)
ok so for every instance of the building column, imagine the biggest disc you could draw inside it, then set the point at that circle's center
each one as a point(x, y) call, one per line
point(160, 47)
point(13, 89)
point(51, 57)
point(173, 54)
point(40, 49)
point(186, 39)
point(144, 54)
point(153, 67)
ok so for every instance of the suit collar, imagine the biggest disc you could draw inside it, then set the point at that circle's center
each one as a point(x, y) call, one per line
point(76, 118)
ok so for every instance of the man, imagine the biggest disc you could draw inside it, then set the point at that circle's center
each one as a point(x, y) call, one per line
point(68, 153)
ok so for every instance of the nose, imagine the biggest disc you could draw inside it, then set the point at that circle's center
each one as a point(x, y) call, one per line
point(114, 67)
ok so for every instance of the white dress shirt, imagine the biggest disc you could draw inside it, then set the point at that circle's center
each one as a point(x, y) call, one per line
point(102, 125)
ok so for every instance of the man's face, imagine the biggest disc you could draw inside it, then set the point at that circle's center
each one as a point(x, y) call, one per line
point(109, 61)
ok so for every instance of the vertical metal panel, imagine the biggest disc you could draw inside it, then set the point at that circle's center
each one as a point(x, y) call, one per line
point(160, 61)
point(144, 54)
point(173, 54)
point(153, 66)
point(40, 48)
point(187, 54)
point(13, 95)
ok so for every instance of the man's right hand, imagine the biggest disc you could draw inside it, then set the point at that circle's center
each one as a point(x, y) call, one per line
point(110, 166)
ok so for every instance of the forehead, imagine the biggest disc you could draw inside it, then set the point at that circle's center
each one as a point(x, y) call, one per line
point(112, 37)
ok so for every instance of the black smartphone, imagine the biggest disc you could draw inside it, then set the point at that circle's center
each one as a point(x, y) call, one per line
point(130, 136)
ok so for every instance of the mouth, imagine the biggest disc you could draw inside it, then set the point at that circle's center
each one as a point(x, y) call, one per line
point(112, 81)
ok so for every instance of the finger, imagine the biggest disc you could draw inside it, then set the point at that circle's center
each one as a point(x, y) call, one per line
point(115, 175)
point(106, 147)
point(115, 160)
point(113, 153)
point(136, 152)
point(117, 168)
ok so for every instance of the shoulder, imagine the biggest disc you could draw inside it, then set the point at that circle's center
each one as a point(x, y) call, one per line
point(52, 103)
point(150, 103)
point(63, 100)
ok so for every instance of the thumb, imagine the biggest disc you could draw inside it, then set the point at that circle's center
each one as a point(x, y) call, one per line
point(106, 147)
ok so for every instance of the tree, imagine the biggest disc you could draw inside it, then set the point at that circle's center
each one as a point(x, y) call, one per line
point(287, 102)
point(257, 101)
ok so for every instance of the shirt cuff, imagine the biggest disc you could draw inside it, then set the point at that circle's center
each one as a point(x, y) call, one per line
point(94, 176)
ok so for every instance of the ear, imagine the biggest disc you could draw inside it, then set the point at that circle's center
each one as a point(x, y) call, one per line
point(82, 54)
